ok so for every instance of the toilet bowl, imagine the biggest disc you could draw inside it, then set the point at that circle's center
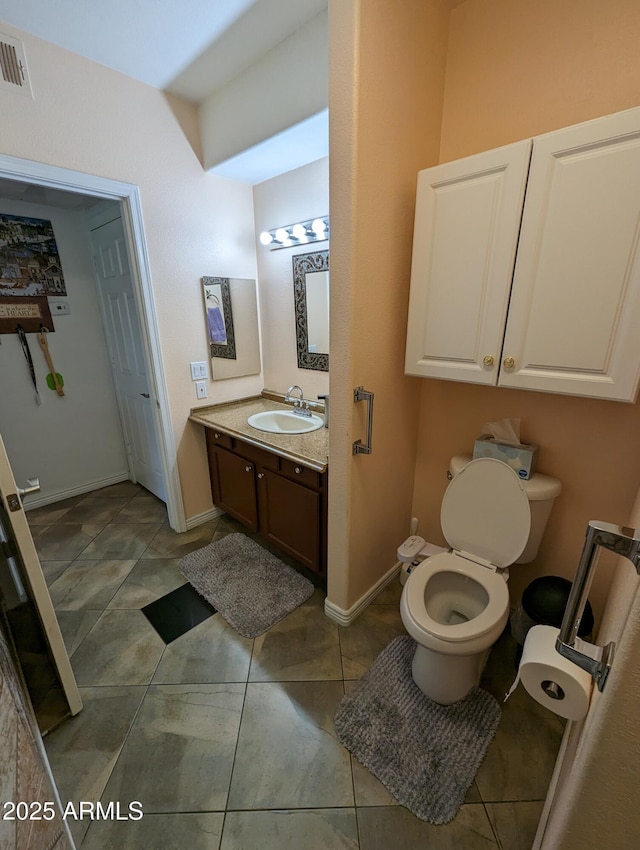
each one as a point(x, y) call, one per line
point(456, 604)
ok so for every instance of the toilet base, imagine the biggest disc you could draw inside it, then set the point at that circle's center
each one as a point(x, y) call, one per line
point(445, 679)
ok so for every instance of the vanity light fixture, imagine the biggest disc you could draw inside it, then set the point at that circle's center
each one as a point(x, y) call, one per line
point(301, 233)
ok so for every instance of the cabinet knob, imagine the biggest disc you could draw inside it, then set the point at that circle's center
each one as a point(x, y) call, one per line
point(488, 361)
point(297, 470)
point(247, 468)
point(216, 434)
point(508, 362)
point(261, 475)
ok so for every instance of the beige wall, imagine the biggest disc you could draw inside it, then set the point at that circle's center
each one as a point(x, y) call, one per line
point(91, 119)
point(516, 69)
point(298, 195)
point(386, 82)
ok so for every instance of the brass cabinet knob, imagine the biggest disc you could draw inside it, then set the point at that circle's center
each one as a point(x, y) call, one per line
point(248, 468)
point(508, 362)
point(488, 361)
point(297, 470)
point(216, 434)
point(261, 475)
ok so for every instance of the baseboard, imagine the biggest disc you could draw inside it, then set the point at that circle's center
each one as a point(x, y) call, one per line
point(200, 519)
point(345, 618)
point(50, 499)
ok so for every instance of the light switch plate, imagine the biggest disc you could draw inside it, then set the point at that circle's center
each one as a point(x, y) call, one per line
point(198, 370)
point(201, 389)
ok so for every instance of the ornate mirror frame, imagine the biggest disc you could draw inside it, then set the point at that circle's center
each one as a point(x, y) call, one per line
point(317, 261)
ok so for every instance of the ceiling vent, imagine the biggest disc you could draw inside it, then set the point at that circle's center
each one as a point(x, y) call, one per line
point(13, 66)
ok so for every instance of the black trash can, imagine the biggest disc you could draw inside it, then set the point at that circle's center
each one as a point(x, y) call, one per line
point(543, 604)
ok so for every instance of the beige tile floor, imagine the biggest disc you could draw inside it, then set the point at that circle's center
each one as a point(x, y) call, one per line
point(229, 743)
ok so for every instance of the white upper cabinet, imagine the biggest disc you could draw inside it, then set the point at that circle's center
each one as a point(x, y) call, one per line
point(566, 319)
point(464, 246)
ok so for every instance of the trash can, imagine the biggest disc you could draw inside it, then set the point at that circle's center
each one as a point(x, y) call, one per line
point(543, 603)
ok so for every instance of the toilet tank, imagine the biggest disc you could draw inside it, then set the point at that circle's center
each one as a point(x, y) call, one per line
point(541, 491)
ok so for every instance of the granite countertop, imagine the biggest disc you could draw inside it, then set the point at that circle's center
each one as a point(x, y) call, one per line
point(311, 449)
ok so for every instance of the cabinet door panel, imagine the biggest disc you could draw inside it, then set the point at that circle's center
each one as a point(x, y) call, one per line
point(466, 229)
point(575, 304)
point(290, 517)
point(235, 487)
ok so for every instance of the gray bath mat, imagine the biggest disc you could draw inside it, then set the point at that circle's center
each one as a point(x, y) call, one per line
point(249, 587)
point(425, 754)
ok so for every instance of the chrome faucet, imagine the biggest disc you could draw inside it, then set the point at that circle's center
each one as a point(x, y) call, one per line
point(300, 405)
point(623, 541)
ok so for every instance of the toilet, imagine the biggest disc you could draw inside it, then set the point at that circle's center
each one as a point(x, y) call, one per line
point(456, 604)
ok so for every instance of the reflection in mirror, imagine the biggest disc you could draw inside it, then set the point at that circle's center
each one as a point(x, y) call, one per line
point(311, 301)
point(231, 310)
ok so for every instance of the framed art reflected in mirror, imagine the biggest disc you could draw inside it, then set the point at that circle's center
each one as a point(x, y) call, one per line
point(217, 305)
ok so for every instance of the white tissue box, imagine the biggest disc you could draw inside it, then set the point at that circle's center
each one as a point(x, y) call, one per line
point(521, 458)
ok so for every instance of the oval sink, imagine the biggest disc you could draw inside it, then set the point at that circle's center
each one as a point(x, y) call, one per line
point(284, 422)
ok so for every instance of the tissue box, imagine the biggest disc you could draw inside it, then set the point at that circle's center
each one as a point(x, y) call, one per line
point(521, 458)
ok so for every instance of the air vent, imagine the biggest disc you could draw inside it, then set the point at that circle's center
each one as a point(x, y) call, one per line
point(13, 66)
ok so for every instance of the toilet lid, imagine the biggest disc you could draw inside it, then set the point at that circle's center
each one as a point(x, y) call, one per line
point(485, 512)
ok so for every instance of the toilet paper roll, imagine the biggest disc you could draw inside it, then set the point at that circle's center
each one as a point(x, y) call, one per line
point(552, 680)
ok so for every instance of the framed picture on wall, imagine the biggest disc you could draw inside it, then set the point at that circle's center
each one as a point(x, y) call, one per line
point(29, 259)
point(31, 313)
point(217, 307)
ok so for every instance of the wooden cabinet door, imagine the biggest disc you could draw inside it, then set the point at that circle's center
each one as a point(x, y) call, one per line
point(234, 487)
point(465, 237)
point(575, 304)
point(290, 517)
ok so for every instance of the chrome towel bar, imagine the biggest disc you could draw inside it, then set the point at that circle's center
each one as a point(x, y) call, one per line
point(360, 394)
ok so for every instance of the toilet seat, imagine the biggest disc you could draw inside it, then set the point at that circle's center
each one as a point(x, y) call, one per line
point(493, 583)
point(485, 513)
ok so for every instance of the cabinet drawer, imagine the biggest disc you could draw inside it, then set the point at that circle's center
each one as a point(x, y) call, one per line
point(301, 474)
point(259, 456)
point(218, 438)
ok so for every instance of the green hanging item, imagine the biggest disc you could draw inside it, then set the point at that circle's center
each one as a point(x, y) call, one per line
point(51, 381)
point(54, 379)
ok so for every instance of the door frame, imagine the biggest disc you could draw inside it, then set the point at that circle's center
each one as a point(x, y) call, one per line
point(128, 194)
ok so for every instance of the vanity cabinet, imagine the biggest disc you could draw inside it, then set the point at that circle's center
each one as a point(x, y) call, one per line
point(283, 501)
point(526, 264)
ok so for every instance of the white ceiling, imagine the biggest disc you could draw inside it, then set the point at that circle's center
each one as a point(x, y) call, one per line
point(186, 47)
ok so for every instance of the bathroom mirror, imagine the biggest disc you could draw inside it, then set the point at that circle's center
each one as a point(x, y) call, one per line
point(231, 311)
point(311, 303)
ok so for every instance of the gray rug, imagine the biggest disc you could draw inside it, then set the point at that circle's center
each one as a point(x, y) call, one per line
point(246, 584)
point(426, 755)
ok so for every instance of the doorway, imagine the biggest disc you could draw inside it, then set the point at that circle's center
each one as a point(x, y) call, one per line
point(126, 196)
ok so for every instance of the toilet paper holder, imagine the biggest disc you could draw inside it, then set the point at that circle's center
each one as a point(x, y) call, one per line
point(596, 660)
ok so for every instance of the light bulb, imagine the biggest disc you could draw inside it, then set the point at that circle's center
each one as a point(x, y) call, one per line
point(282, 235)
point(299, 231)
point(318, 226)
point(266, 238)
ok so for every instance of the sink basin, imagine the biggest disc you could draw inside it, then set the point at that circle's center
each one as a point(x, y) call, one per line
point(284, 422)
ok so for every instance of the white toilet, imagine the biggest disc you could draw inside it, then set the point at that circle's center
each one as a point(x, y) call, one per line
point(456, 604)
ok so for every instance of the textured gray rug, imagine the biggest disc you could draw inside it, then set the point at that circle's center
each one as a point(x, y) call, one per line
point(426, 755)
point(246, 584)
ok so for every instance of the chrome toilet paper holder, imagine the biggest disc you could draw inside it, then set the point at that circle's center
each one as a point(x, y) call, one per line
point(622, 541)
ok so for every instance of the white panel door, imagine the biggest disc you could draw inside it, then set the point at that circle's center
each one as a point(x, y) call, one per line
point(575, 306)
point(17, 541)
point(128, 363)
point(465, 237)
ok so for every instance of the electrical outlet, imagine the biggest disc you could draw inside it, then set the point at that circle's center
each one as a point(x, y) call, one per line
point(198, 370)
point(201, 389)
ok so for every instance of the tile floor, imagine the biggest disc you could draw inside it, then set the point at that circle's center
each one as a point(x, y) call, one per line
point(229, 743)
